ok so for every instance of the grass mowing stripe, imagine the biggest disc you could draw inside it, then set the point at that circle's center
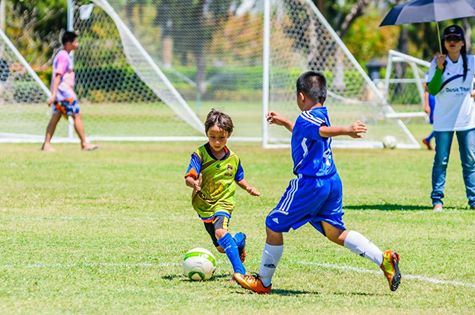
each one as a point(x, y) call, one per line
point(374, 272)
point(88, 264)
point(308, 263)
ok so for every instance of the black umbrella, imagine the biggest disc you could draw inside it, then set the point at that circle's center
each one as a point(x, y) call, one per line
point(420, 11)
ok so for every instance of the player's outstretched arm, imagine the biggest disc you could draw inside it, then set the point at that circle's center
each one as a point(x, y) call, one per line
point(250, 189)
point(355, 130)
point(278, 119)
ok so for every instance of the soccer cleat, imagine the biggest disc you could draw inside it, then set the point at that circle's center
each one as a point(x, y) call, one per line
point(438, 207)
point(427, 144)
point(390, 267)
point(253, 283)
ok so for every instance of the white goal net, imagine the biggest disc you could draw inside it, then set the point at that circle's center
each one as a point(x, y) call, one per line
point(404, 84)
point(152, 69)
point(22, 96)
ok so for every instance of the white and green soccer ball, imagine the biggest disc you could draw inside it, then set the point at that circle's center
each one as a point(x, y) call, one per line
point(199, 264)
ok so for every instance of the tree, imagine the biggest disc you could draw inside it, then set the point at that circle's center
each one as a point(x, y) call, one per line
point(342, 14)
point(193, 30)
point(35, 26)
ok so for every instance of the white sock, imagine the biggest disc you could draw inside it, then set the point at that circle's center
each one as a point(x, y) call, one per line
point(362, 246)
point(269, 261)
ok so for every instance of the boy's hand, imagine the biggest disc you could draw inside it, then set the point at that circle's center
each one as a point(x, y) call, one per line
point(197, 184)
point(196, 187)
point(253, 191)
point(51, 100)
point(278, 119)
point(356, 129)
point(275, 118)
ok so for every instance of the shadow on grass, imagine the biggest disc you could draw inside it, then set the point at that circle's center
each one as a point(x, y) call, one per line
point(360, 293)
point(285, 292)
point(183, 278)
point(389, 207)
point(281, 292)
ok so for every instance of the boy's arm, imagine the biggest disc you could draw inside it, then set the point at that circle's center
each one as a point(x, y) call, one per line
point(278, 119)
point(193, 173)
point(190, 181)
point(355, 130)
point(251, 190)
point(56, 81)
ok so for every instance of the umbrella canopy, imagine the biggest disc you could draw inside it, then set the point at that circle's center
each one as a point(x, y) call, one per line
point(420, 11)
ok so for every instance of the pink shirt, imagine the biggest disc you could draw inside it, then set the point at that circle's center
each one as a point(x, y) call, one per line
point(63, 65)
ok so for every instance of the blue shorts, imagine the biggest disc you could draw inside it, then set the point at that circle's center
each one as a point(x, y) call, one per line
point(67, 107)
point(309, 200)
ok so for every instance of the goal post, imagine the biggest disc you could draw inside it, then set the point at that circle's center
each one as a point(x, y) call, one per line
point(403, 84)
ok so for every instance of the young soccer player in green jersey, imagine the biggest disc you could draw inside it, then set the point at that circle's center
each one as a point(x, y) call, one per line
point(213, 173)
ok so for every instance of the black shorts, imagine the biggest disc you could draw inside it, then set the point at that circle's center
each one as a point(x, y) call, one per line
point(219, 222)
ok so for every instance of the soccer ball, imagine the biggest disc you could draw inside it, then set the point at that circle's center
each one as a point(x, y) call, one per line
point(199, 264)
point(389, 142)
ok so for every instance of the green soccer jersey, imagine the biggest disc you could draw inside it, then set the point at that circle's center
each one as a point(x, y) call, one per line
point(218, 184)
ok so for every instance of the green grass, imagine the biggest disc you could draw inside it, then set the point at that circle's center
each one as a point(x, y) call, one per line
point(104, 233)
point(156, 119)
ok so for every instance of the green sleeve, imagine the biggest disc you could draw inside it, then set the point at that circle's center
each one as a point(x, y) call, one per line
point(436, 83)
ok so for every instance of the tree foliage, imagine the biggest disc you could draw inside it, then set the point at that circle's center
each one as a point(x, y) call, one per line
point(35, 25)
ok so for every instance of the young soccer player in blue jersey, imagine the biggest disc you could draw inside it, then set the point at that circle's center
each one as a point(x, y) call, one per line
point(315, 195)
point(213, 173)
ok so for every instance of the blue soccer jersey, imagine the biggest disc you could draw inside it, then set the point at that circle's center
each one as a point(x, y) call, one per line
point(315, 196)
point(311, 153)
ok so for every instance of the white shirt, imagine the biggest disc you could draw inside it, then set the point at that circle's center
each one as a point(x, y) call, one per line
point(454, 106)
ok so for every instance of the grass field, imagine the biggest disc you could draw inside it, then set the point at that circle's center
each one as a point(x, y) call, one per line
point(104, 232)
point(158, 120)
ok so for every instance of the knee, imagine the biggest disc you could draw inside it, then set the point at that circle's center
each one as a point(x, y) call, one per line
point(219, 233)
point(274, 238)
point(338, 238)
point(441, 161)
point(334, 234)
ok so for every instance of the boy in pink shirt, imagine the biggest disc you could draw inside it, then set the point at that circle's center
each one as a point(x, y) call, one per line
point(63, 96)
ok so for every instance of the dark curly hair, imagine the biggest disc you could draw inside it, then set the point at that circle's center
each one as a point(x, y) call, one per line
point(220, 119)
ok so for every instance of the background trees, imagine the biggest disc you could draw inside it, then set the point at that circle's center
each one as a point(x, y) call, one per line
point(36, 25)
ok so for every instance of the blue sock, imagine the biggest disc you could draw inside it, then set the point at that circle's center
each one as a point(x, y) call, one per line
point(240, 239)
point(229, 245)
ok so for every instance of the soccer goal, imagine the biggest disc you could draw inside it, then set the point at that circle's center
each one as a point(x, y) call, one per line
point(241, 57)
point(152, 70)
point(403, 85)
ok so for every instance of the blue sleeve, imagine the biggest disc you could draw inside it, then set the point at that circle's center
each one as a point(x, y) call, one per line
point(240, 173)
point(194, 168)
point(309, 125)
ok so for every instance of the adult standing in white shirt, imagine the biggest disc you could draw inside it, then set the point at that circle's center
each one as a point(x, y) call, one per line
point(450, 80)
